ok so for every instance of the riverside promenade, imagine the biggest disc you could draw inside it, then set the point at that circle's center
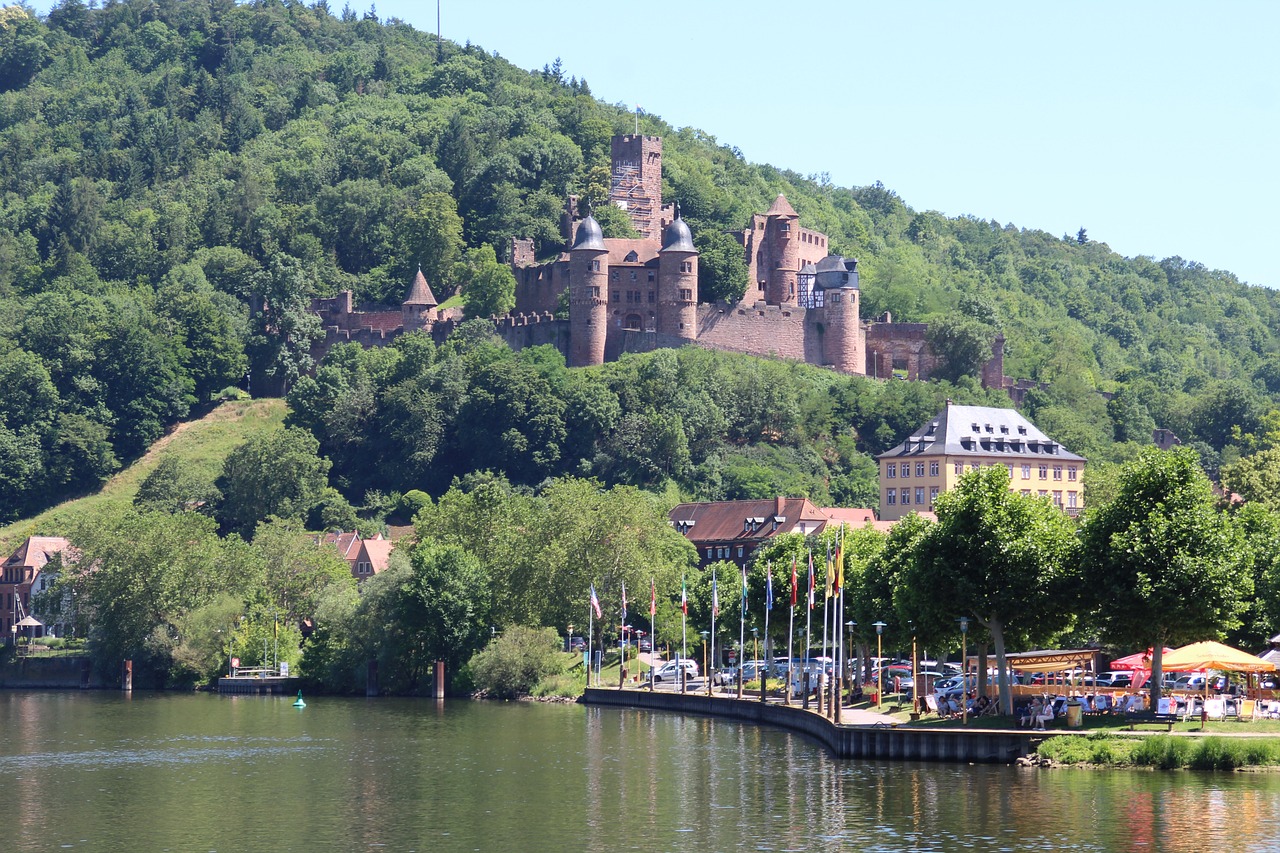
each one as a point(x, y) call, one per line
point(861, 734)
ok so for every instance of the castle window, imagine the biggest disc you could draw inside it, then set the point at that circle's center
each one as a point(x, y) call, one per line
point(613, 276)
point(633, 275)
point(651, 297)
point(617, 297)
point(686, 295)
point(595, 266)
point(595, 293)
point(686, 266)
point(651, 276)
point(631, 257)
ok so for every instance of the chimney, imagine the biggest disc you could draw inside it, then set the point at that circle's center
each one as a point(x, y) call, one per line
point(780, 505)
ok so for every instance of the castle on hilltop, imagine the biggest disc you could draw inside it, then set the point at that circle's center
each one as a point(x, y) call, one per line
point(640, 294)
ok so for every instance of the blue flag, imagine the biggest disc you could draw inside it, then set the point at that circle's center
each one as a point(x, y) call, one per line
point(768, 587)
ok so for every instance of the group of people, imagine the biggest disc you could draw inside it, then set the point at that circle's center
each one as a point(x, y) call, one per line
point(949, 707)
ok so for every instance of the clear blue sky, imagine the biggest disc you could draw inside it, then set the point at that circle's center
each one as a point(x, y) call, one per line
point(1151, 124)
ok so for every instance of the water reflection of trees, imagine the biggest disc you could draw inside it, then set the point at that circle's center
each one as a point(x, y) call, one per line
point(701, 783)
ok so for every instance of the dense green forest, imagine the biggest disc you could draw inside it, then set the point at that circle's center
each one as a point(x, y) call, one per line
point(167, 168)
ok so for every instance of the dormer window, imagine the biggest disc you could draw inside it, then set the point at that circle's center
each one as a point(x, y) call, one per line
point(977, 428)
point(1022, 430)
point(1004, 429)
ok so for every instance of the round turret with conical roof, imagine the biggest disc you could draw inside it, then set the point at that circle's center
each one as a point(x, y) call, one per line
point(678, 281)
point(843, 342)
point(588, 293)
point(415, 311)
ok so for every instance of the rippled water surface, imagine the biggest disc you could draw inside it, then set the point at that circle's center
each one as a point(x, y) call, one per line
point(205, 773)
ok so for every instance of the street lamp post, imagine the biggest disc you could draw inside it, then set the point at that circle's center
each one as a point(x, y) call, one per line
point(851, 624)
point(706, 673)
point(964, 669)
point(880, 626)
point(755, 636)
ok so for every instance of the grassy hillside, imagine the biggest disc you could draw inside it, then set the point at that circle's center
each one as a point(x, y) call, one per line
point(201, 444)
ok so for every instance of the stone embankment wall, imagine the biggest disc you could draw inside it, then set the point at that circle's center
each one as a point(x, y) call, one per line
point(50, 673)
point(870, 742)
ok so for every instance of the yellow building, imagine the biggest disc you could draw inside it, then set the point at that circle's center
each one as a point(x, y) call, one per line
point(965, 438)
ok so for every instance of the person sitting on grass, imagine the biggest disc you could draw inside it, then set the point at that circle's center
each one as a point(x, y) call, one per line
point(1045, 716)
point(1030, 712)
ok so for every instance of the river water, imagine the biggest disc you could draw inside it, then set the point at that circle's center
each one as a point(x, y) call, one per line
point(155, 772)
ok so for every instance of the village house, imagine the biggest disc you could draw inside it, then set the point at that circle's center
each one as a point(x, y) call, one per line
point(21, 578)
point(735, 530)
point(965, 438)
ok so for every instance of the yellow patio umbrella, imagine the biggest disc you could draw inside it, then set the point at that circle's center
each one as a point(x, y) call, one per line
point(1211, 655)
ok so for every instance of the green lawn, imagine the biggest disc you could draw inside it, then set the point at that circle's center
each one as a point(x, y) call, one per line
point(203, 444)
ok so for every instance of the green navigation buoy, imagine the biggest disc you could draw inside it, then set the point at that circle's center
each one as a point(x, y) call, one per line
point(298, 703)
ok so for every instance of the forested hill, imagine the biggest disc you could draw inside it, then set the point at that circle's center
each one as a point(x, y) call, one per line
point(161, 161)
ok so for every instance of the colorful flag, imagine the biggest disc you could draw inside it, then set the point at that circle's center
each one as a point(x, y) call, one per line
point(795, 582)
point(840, 562)
point(653, 599)
point(744, 591)
point(810, 579)
point(624, 604)
point(830, 571)
point(684, 598)
point(768, 586)
point(715, 596)
point(595, 603)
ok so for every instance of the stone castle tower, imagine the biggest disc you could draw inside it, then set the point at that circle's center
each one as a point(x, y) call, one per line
point(843, 342)
point(588, 294)
point(635, 183)
point(678, 282)
point(416, 309)
point(782, 245)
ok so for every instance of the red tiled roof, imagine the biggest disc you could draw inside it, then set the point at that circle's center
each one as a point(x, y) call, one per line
point(746, 521)
point(781, 207)
point(619, 248)
point(854, 517)
point(37, 551)
point(377, 552)
point(346, 543)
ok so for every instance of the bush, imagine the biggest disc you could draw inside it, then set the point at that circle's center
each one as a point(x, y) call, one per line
point(513, 663)
point(1163, 751)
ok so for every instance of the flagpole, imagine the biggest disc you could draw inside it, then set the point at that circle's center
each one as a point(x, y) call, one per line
point(808, 623)
point(768, 605)
point(591, 622)
point(684, 649)
point(839, 608)
point(791, 634)
point(824, 703)
point(715, 606)
point(742, 631)
point(622, 646)
point(653, 627)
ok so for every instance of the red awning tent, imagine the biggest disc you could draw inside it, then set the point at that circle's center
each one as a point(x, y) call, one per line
point(1139, 663)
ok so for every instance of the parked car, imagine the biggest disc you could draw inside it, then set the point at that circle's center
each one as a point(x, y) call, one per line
point(577, 644)
point(957, 685)
point(1116, 678)
point(645, 644)
point(670, 671)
